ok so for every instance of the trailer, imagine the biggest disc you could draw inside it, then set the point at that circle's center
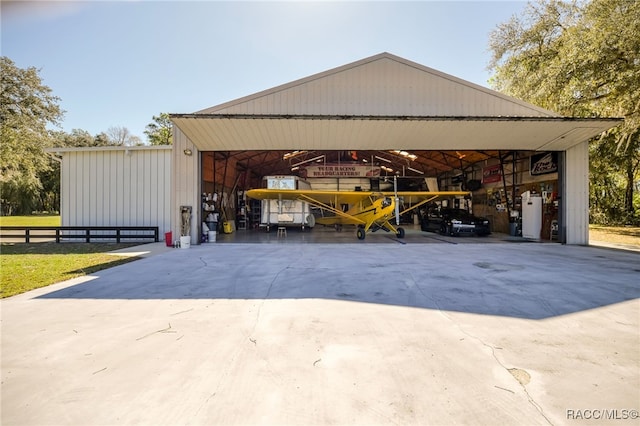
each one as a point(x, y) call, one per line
point(290, 213)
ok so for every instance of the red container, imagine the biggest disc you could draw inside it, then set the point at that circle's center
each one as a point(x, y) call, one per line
point(168, 238)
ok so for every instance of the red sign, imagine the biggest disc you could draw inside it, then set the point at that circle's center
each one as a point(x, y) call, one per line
point(341, 171)
point(491, 174)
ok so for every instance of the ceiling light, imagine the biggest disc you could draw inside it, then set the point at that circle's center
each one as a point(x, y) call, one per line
point(319, 157)
point(383, 159)
point(415, 170)
point(290, 155)
point(404, 154)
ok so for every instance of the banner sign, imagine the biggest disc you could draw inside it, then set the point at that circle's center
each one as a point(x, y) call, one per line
point(340, 171)
point(542, 164)
point(491, 174)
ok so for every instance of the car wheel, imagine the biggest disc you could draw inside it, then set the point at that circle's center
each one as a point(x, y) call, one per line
point(444, 229)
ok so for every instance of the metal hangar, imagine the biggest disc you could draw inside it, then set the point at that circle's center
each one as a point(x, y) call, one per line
point(409, 119)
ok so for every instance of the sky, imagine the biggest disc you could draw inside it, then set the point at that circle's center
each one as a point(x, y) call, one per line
point(119, 63)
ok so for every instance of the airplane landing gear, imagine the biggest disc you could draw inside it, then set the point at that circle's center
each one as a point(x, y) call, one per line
point(400, 233)
point(360, 233)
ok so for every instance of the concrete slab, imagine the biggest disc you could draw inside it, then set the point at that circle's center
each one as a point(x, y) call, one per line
point(292, 333)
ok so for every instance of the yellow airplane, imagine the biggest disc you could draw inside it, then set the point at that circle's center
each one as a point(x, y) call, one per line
point(368, 211)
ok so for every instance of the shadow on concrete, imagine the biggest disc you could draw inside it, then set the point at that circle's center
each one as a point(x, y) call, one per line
point(532, 281)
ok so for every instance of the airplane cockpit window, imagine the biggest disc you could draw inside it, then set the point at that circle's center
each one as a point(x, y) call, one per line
point(386, 202)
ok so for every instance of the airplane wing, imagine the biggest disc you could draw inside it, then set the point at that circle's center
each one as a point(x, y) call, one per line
point(333, 200)
point(328, 200)
point(414, 199)
point(310, 195)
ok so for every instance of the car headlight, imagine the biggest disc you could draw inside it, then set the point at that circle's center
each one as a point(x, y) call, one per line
point(486, 222)
point(456, 222)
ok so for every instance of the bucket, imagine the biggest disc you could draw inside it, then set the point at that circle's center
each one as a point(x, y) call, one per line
point(226, 227)
point(212, 236)
point(168, 238)
point(185, 242)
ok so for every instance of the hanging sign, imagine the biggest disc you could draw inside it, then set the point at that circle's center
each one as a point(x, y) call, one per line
point(491, 174)
point(542, 164)
point(341, 171)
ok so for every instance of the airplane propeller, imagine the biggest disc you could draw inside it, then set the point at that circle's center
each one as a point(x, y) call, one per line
point(397, 200)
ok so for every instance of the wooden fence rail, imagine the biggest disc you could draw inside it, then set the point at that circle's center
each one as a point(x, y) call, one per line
point(86, 233)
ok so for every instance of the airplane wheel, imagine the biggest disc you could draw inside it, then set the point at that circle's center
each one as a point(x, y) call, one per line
point(360, 233)
point(400, 233)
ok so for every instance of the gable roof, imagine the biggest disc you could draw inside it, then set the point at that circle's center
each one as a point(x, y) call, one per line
point(383, 102)
point(381, 85)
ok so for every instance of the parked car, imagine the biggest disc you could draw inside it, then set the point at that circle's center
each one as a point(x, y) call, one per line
point(449, 221)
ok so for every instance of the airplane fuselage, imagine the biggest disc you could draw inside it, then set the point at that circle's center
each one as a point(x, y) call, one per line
point(380, 211)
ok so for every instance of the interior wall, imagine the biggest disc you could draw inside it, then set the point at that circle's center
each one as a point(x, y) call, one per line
point(495, 200)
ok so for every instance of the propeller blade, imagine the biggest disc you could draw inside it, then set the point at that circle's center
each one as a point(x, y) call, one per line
point(397, 200)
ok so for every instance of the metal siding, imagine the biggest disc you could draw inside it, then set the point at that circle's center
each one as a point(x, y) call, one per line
point(577, 194)
point(113, 187)
point(385, 86)
point(185, 183)
point(264, 133)
point(65, 206)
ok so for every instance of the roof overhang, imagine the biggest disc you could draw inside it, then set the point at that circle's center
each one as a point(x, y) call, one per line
point(216, 132)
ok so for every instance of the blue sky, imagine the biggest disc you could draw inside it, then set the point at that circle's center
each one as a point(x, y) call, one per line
point(119, 63)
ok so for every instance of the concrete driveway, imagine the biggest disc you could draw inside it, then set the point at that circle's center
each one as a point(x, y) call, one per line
point(225, 334)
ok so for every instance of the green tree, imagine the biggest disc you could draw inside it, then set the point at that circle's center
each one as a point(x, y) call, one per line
point(581, 59)
point(27, 107)
point(160, 132)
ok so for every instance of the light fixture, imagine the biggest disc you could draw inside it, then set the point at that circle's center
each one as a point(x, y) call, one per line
point(319, 157)
point(404, 154)
point(415, 170)
point(188, 152)
point(290, 155)
point(387, 169)
point(383, 159)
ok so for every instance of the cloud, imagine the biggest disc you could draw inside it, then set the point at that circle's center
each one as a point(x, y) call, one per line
point(22, 11)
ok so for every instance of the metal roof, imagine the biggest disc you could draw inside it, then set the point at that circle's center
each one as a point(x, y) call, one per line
point(381, 103)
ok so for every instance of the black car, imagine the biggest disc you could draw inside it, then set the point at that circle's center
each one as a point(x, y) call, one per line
point(450, 221)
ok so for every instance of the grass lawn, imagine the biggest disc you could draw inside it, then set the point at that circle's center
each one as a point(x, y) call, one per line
point(24, 267)
point(35, 220)
point(615, 234)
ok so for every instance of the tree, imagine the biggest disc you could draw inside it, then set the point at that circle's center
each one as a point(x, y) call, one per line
point(118, 135)
point(160, 132)
point(27, 107)
point(580, 59)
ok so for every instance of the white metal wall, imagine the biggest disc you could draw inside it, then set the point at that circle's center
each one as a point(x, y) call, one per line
point(382, 85)
point(116, 187)
point(576, 194)
point(185, 183)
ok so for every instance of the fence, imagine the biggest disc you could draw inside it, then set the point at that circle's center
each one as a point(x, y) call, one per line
point(86, 233)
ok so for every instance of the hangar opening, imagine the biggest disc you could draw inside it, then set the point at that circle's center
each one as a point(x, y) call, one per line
point(493, 179)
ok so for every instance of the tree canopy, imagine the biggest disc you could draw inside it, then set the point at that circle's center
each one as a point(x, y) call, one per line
point(27, 107)
point(581, 59)
point(160, 131)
